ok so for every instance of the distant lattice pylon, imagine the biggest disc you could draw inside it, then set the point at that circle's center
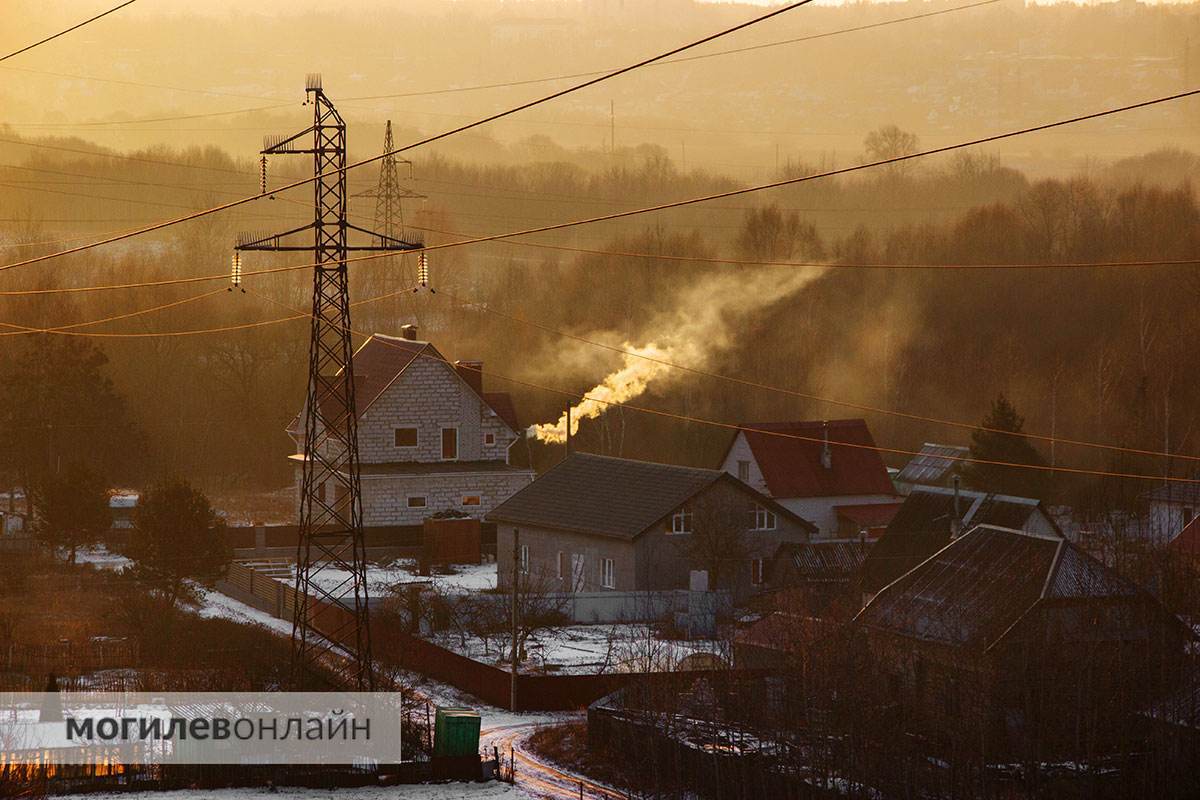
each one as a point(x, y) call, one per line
point(388, 194)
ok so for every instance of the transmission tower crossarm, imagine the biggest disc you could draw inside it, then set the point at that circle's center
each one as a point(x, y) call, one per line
point(386, 242)
point(331, 623)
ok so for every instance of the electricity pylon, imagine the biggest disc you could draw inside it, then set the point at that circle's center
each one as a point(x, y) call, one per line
point(389, 196)
point(330, 626)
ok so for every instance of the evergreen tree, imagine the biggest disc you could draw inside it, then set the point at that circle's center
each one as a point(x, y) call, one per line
point(999, 439)
point(177, 538)
point(72, 508)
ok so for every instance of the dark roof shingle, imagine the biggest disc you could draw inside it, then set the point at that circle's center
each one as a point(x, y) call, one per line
point(611, 496)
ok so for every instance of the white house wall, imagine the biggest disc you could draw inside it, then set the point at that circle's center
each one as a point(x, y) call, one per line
point(429, 395)
point(385, 497)
point(740, 451)
point(820, 510)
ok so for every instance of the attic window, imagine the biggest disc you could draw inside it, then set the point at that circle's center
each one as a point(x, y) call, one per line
point(744, 471)
point(681, 521)
point(406, 437)
point(762, 519)
point(489, 438)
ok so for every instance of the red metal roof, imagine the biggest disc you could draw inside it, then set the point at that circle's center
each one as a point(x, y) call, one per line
point(791, 463)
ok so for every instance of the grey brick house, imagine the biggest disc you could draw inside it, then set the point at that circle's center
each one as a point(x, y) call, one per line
point(430, 439)
point(595, 523)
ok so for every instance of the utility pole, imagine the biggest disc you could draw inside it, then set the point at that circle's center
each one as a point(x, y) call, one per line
point(516, 580)
point(612, 126)
point(331, 618)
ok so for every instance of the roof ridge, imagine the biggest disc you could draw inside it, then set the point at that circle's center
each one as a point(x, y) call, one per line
point(703, 470)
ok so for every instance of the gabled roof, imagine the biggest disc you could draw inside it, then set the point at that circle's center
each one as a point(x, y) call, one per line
point(923, 526)
point(973, 590)
point(932, 464)
point(789, 456)
point(613, 496)
point(382, 359)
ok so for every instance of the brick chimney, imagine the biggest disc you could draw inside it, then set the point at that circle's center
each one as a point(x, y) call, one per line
point(472, 373)
point(409, 332)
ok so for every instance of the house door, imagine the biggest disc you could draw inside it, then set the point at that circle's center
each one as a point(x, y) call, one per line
point(577, 576)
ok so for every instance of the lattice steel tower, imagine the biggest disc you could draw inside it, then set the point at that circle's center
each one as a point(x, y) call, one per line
point(330, 627)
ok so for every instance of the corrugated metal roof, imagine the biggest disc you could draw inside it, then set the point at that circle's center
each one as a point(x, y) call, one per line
point(971, 591)
point(825, 560)
point(932, 463)
point(609, 496)
point(923, 525)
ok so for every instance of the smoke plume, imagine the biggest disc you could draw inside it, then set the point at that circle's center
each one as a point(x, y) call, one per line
point(700, 324)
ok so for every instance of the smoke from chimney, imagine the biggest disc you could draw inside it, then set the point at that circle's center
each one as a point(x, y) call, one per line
point(700, 324)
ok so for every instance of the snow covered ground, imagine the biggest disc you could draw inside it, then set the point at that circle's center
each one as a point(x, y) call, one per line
point(586, 649)
point(99, 557)
point(214, 604)
point(442, 791)
point(466, 578)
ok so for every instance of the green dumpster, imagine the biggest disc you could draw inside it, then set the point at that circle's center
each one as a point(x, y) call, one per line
point(456, 732)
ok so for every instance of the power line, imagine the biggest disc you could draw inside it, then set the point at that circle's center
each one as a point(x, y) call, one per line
point(74, 27)
point(490, 309)
point(737, 427)
point(797, 40)
point(18, 330)
point(460, 129)
point(141, 85)
point(122, 157)
point(507, 84)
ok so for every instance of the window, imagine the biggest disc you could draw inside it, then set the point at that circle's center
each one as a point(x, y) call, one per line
point(562, 557)
point(416, 502)
point(744, 471)
point(607, 574)
point(321, 492)
point(756, 572)
point(406, 437)
point(762, 519)
point(525, 558)
point(449, 444)
point(577, 572)
point(489, 438)
point(1187, 515)
point(470, 500)
point(681, 521)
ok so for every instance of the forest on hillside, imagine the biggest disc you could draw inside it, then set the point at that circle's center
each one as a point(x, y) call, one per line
point(1100, 354)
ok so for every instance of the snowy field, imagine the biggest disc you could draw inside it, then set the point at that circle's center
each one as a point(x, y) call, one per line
point(98, 557)
point(213, 604)
point(467, 578)
point(589, 649)
point(442, 791)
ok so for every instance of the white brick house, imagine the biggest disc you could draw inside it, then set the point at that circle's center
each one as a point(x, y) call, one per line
point(429, 438)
